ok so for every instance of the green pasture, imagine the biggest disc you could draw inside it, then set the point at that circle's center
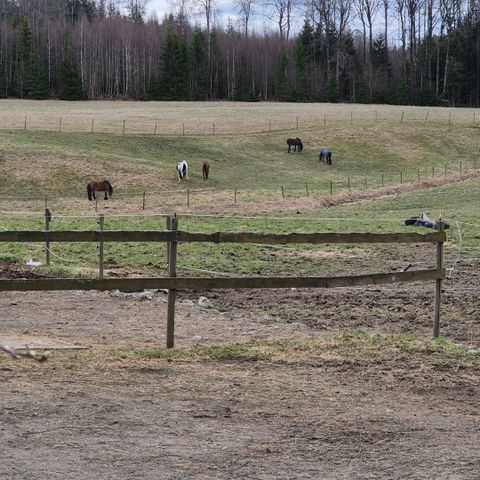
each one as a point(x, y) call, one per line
point(366, 152)
point(59, 164)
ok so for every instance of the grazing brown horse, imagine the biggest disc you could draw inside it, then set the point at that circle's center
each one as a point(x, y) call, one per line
point(294, 142)
point(104, 186)
point(205, 170)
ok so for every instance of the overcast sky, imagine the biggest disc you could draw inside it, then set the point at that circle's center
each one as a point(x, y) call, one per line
point(225, 11)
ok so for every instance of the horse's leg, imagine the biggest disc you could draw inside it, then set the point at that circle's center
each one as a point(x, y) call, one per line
point(105, 197)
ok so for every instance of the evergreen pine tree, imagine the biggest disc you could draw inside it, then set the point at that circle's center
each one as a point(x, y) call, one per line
point(198, 55)
point(37, 81)
point(25, 58)
point(70, 81)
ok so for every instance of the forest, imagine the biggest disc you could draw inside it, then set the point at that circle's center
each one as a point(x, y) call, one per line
point(413, 52)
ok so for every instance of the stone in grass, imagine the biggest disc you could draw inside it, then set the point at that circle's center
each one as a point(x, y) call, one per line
point(204, 302)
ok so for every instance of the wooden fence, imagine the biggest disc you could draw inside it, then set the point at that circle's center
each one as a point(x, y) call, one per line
point(173, 283)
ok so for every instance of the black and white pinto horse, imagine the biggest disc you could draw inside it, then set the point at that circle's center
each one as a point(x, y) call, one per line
point(182, 169)
point(325, 156)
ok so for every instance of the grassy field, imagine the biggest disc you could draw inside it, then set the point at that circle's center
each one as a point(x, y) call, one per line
point(367, 153)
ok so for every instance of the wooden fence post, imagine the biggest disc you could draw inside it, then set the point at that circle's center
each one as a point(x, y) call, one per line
point(445, 173)
point(461, 167)
point(438, 283)
point(213, 128)
point(172, 225)
point(426, 118)
point(349, 185)
point(418, 174)
point(188, 197)
point(365, 180)
point(60, 125)
point(155, 129)
point(450, 118)
point(403, 114)
point(383, 179)
point(48, 218)
point(325, 120)
point(123, 128)
point(297, 122)
point(351, 118)
point(101, 222)
point(269, 125)
point(144, 200)
point(183, 129)
point(283, 192)
point(331, 187)
point(25, 124)
point(91, 128)
point(401, 177)
point(306, 188)
point(234, 195)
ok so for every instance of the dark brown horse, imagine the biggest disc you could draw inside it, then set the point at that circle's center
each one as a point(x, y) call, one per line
point(104, 186)
point(295, 143)
point(205, 170)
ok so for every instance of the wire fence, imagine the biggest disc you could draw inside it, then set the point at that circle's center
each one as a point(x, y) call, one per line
point(237, 123)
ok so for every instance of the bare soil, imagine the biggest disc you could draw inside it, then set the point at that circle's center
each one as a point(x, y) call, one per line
point(101, 414)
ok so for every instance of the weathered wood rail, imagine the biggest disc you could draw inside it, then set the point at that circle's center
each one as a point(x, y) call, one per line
point(173, 283)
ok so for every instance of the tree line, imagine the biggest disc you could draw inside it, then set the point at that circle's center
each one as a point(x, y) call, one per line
point(86, 49)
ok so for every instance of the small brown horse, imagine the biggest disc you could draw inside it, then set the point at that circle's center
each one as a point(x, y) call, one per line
point(294, 142)
point(205, 170)
point(104, 186)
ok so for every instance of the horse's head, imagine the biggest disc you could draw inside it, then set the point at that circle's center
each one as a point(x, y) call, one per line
point(299, 144)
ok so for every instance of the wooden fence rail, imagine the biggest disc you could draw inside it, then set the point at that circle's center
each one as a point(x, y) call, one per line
point(173, 283)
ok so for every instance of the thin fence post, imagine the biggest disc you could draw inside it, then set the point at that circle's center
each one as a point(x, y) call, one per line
point(25, 124)
point(418, 174)
point(325, 120)
point(461, 167)
point(403, 114)
point(101, 222)
point(172, 225)
point(46, 201)
point(331, 187)
point(351, 118)
point(183, 128)
point(234, 195)
point(383, 179)
point(433, 170)
point(450, 118)
point(445, 174)
point(91, 128)
point(283, 192)
point(155, 129)
point(96, 204)
point(474, 120)
point(144, 200)
point(188, 197)
point(438, 283)
point(269, 125)
point(401, 177)
point(123, 128)
point(213, 128)
point(60, 125)
point(349, 185)
point(48, 218)
point(306, 188)
point(366, 186)
point(426, 118)
point(297, 122)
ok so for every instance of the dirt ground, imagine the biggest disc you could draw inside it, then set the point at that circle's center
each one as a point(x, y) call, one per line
point(99, 414)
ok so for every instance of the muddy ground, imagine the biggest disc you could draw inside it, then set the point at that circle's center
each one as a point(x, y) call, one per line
point(100, 414)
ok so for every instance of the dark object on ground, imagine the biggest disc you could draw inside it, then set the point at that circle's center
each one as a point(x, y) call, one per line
point(424, 221)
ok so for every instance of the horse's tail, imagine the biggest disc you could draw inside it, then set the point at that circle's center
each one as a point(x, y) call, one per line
point(110, 188)
point(89, 191)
